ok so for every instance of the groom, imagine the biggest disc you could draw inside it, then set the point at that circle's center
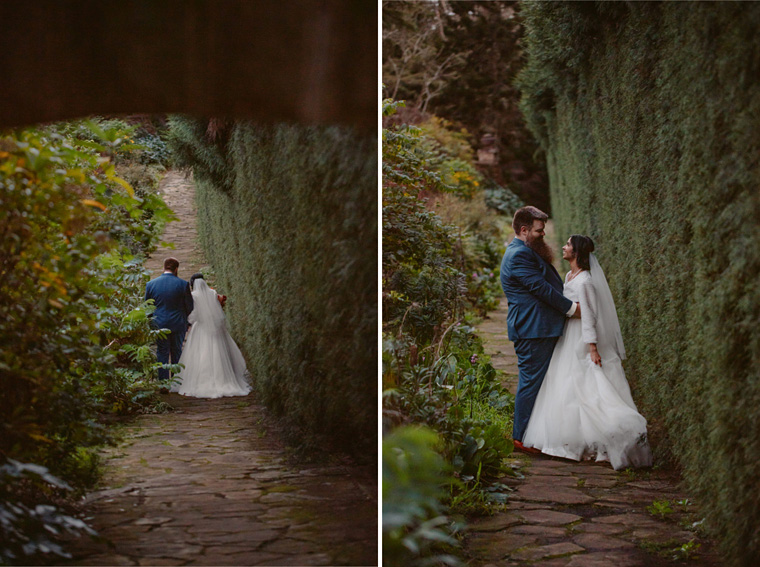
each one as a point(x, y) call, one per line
point(536, 310)
point(174, 302)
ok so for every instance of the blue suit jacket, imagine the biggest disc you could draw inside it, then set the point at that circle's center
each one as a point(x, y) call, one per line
point(173, 301)
point(537, 308)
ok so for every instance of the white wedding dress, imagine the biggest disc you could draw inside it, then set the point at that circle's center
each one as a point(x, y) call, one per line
point(214, 366)
point(583, 411)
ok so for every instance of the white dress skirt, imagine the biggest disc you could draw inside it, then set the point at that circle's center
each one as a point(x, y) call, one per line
point(584, 411)
point(214, 365)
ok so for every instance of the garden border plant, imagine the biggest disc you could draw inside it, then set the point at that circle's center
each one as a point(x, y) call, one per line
point(74, 237)
point(436, 276)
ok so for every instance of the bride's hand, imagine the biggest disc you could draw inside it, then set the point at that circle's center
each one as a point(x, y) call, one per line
point(595, 357)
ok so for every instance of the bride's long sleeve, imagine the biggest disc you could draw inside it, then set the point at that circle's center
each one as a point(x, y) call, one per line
point(589, 311)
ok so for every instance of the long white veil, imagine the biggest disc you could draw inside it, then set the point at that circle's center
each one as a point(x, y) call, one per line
point(206, 308)
point(608, 324)
point(214, 365)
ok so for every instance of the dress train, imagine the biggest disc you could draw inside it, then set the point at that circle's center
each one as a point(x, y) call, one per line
point(214, 365)
point(585, 411)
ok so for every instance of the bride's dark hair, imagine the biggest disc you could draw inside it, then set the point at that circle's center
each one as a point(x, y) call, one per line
point(582, 247)
point(197, 276)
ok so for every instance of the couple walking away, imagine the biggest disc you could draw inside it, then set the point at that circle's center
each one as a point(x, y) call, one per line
point(573, 399)
point(213, 364)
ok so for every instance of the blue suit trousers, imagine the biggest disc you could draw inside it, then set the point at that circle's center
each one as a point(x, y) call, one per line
point(167, 349)
point(533, 357)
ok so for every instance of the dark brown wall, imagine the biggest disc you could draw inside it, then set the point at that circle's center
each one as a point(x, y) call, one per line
point(308, 61)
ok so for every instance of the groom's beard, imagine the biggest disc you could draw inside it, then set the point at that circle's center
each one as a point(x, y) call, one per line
point(542, 249)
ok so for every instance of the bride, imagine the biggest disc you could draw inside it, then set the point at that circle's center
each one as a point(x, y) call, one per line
point(214, 366)
point(584, 407)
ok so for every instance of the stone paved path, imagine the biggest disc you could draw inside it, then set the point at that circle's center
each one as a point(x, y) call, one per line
point(211, 483)
point(178, 191)
point(493, 331)
point(568, 514)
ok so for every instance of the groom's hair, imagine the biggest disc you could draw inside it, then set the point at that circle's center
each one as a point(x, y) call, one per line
point(525, 216)
point(171, 264)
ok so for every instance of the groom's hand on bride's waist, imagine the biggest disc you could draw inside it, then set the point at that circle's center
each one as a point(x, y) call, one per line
point(577, 314)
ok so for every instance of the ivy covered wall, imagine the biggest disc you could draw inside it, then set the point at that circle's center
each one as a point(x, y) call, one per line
point(287, 217)
point(649, 113)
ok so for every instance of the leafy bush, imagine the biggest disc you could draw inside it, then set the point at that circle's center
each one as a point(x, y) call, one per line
point(501, 198)
point(649, 119)
point(154, 149)
point(73, 236)
point(444, 395)
point(32, 529)
point(434, 275)
point(415, 525)
point(425, 262)
point(451, 156)
point(128, 354)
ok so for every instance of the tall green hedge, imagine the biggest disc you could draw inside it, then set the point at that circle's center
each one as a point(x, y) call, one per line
point(650, 117)
point(288, 219)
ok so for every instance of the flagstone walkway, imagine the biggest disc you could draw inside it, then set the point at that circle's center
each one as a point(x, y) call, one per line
point(212, 483)
point(567, 514)
point(178, 191)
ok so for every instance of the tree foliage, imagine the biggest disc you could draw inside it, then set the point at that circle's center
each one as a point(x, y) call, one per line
point(458, 60)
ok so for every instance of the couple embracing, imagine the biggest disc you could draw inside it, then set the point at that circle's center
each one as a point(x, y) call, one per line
point(573, 399)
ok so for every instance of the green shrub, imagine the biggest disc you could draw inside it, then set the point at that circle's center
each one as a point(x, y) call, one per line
point(155, 151)
point(432, 271)
point(440, 244)
point(287, 217)
point(649, 114)
point(501, 199)
point(32, 528)
point(415, 525)
point(444, 393)
point(70, 306)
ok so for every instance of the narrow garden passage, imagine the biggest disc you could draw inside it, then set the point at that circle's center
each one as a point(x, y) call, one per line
point(212, 483)
point(178, 191)
point(567, 514)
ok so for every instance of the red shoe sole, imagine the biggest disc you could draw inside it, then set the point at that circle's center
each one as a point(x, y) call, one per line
point(522, 448)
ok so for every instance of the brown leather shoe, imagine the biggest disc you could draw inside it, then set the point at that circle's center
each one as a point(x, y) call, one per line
point(523, 449)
